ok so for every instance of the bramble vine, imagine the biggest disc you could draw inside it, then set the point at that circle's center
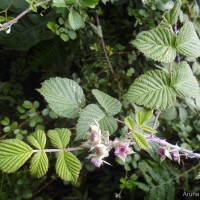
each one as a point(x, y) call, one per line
point(155, 90)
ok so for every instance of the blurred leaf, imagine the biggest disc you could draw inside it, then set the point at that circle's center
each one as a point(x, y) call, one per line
point(75, 20)
point(143, 116)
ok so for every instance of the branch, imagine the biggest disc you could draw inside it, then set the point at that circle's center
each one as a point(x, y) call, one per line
point(15, 20)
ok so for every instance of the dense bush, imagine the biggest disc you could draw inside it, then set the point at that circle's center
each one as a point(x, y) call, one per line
point(99, 48)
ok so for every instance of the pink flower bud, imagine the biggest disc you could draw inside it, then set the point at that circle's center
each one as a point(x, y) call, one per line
point(122, 150)
point(97, 162)
point(175, 155)
point(162, 152)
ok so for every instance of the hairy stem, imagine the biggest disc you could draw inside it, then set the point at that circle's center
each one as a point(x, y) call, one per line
point(15, 20)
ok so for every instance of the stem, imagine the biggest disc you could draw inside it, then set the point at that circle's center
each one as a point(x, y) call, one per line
point(170, 69)
point(15, 20)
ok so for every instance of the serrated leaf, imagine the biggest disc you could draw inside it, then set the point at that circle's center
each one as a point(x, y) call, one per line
point(148, 129)
point(67, 166)
point(143, 116)
point(59, 137)
point(129, 123)
point(187, 42)
point(171, 16)
point(13, 154)
point(184, 82)
point(39, 164)
point(152, 90)
point(157, 44)
point(140, 140)
point(88, 116)
point(75, 20)
point(38, 139)
point(111, 105)
point(65, 97)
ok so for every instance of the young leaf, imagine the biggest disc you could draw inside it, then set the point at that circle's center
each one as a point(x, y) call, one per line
point(157, 44)
point(65, 97)
point(88, 116)
point(148, 129)
point(75, 20)
point(39, 164)
point(187, 42)
point(67, 166)
point(13, 154)
point(140, 140)
point(111, 105)
point(130, 123)
point(38, 139)
point(152, 90)
point(171, 16)
point(143, 116)
point(184, 82)
point(59, 137)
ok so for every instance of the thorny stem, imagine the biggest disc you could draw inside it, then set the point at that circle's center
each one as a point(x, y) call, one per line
point(15, 20)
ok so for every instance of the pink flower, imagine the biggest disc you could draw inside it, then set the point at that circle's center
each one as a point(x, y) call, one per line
point(163, 152)
point(122, 150)
point(95, 133)
point(175, 155)
point(97, 162)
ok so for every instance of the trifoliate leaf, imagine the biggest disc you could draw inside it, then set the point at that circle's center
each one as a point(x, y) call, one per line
point(88, 116)
point(143, 116)
point(39, 164)
point(65, 97)
point(13, 154)
point(157, 44)
point(140, 140)
point(184, 82)
point(152, 90)
point(59, 137)
point(38, 139)
point(187, 42)
point(75, 20)
point(171, 16)
point(111, 105)
point(67, 166)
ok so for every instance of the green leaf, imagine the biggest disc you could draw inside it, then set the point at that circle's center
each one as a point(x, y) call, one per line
point(67, 166)
point(90, 3)
point(111, 105)
point(59, 3)
point(59, 137)
point(88, 116)
point(148, 129)
point(184, 82)
point(65, 97)
point(39, 164)
point(38, 139)
point(187, 42)
point(140, 140)
point(171, 16)
point(157, 44)
point(129, 123)
point(75, 20)
point(13, 154)
point(152, 90)
point(143, 116)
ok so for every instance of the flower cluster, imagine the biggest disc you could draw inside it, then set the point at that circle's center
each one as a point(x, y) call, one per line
point(100, 145)
point(164, 151)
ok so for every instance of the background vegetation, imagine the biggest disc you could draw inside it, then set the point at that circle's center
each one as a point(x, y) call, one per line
point(46, 44)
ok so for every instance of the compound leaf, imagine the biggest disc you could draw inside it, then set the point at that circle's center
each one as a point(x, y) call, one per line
point(59, 137)
point(140, 140)
point(13, 154)
point(38, 139)
point(157, 44)
point(187, 42)
point(184, 82)
point(67, 166)
point(152, 90)
point(39, 164)
point(111, 105)
point(65, 96)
